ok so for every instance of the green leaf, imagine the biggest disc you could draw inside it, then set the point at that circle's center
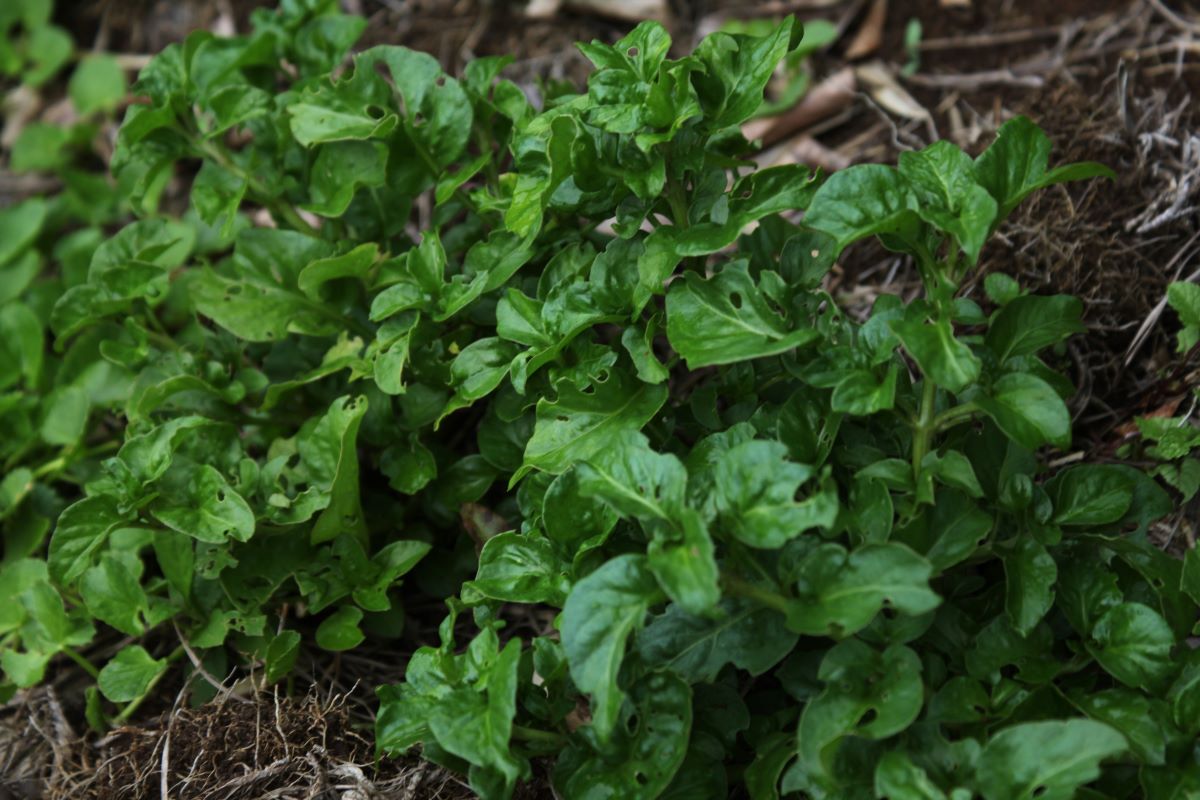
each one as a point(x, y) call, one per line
point(861, 201)
point(66, 416)
point(81, 530)
point(1133, 643)
point(353, 264)
point(49, 49)
point(1090, 494)
point(737, 68)
point(868, 694)
point(281, 655)
point(1145, 724)
point(600, 614)
point(478, 729)
point(1047, 760)
point(257, 311)
point(1014, 166)
point(130, 674)
point(839, 593)
point(198, 501)
point(217, 195)
point(898, 778)
point(696, 647)
point(684, 562)
point(1030, 323)
point(762, 776)
point(340, 170)
point(20, 225)
point(942, 357)
point(1030, 574)
point(756, 495)
point(636, 481)
point(1001, 289)
point(954, 528)
point(1183, 297)
point(1028, 410)
point(580, 423)
point(519, 568)
point(1184, 696)
point(437, 113)
point(23, 343)
point(113, 595)
point(645, 753)
point(97, 84)
point(340, 631)
point(942, 178)
point(312, 123)
point(726, 319)
point(336, 436)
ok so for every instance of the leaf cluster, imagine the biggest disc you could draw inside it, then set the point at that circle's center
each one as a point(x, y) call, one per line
point(570, 366)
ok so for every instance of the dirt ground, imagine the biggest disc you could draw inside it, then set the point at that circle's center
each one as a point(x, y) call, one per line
point(1109, 80)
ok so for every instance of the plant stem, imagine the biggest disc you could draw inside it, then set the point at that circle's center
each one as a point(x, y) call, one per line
point(282, 209)
point(88, 666)
point(952, 416)
point(537, 735)
point(678, 202)
point(735, 585)
point(923, 430)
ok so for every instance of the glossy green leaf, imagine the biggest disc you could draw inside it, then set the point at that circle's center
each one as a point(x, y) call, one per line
point(1015, 165)
point(945, 359)
point(645, 752)
point(600, 614)
point(130, 674)
point(1030, 574)
point(578, 423)
point(697, 647)
point(1049, 760)
point(726, 319)
point(1133, 643)
point(1028, 409)
point(1030, 323)
point(839, 593)
point(756, 495)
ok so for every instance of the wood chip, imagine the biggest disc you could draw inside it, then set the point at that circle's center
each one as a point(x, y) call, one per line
point(20, 106)
point(888, 93)
point(542, 9)
point(627, 10)
point(870, 33)
point(804, 149)
point(823, 101)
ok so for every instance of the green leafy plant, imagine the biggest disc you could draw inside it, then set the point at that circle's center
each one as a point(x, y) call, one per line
point(579, 359)
point(1172, 439)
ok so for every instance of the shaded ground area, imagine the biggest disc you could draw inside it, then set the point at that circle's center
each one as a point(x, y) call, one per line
point(1109, 80)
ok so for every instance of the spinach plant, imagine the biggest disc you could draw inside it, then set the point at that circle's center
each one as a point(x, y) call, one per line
point(570, 366)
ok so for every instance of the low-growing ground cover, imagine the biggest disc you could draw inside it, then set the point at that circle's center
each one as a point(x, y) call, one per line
point(417, 336)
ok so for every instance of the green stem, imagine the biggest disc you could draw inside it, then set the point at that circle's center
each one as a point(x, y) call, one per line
point(280, 209)
point(743, 588)
point(88, 666)
point(923, 430)
point(434, 170)
point(953, 416)
point(49, 467)
point(537, 735)
point(63, 460)
point(677, 199)
point(133, 704)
